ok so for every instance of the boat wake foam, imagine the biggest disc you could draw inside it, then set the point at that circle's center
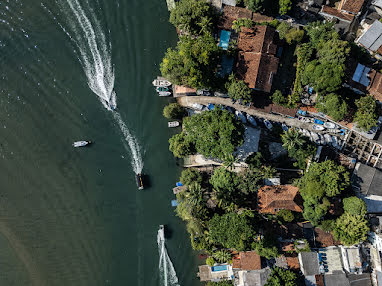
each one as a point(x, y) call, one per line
point(95, 57)
point(166, 268)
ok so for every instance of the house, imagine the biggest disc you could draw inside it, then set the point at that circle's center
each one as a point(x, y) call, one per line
point(257, 62)
point(215, 273)
point(371, 38)
point(309, 264)
point(253, 278)
point(248, 271)
point(247, 260)
point(351, 259)
point(367, 182)
point(352, 7)
point(271, 199)
point(218, 4)
point(377, 5)
point(375, 85)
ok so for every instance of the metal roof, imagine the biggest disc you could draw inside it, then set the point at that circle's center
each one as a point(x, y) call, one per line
point(377, 3)
point(372, 38)
point(360, 75)
point(368, 180)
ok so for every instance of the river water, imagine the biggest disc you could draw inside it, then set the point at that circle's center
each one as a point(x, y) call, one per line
point(74, 216)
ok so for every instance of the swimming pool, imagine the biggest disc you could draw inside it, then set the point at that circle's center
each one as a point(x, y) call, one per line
point(219, 268)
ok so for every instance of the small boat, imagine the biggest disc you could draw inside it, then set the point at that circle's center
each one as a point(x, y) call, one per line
point(138, 178)
point(161, 82)
point(318, 121)
point(240, 116)
point(329, 125)
point(251, 120)
point(81, 143)
point(284, 127)
point(318, 127)
point(161, 232)
point(164, 93)
point(268, 124)
point(173, 124)
point(162, 88)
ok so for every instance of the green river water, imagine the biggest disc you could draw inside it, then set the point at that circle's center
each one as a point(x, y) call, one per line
point(74, 216)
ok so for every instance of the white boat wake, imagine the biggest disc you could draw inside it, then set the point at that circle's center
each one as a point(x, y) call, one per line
point(95, 57)
point(166, 268)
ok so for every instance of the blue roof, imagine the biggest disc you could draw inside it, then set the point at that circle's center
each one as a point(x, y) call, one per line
point(224, 39)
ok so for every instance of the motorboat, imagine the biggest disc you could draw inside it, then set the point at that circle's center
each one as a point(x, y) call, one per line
point(328, 139)
point(284, 127)
point(268, 124)
point(173, 124)
point(81, 143)
point(164, 93)
point(240, 116)
point(251, 120)
point(329, 125)
point(318, 127)
point(162, 88)
point(161, 232)
point(138, 178)
point(161, 82)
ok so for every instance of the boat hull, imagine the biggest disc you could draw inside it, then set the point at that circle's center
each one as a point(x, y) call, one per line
point(139, 180)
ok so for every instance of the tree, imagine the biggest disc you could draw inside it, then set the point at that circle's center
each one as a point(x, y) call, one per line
point(284, 6)
point(355, 206)
point(238, 89)
point(210, 261)
point(181, 146)
point(320, 32)
point(366, 116)
point(241, 22)
point(351, 229)
point(222, 256)
point(292, 140)
point(286, 215)
point(332, 105)
point(281, 277)
point(173, 111)
point(255, 160)
point(191, 175)
point(192, 16)
point(283, 29)
point(225, 184)
point(192, 62)
point(265, 248)
point(230, 230)
point(294, 35)
point(279, 98)
point(254, 5)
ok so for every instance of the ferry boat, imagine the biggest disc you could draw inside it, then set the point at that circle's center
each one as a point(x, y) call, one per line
point(161, 82)
point(81, 143)
point(138, 178)
point(161, 232)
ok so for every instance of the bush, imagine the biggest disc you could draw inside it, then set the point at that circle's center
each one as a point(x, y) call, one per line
point(173, 111)
point(332, 105)
point(191, 175)
point(286, 215)
point(366, 116)
point(351, 229)
point(294, 36)
point(210, 261)
point(278, 98)
point(238, 89)
point(284, 6)
point(281, 277)
point(241, 22)
point(265, 249)
point(355, 206)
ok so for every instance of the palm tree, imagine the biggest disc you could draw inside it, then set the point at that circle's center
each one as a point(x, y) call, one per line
point(222, 256)
point(205, 25)
point(292, 139)
point(229, 161)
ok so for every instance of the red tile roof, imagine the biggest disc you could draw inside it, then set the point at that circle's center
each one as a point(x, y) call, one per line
point(248, 260)
point(231, 14)
point(351, 6)
point(375, 86)
point(338, 14)
point(271, 199)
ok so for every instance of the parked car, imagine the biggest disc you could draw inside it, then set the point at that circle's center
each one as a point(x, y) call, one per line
point(203, 92)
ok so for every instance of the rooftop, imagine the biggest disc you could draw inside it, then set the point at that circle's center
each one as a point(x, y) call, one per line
point(367, 180)
point(330, 11)
point(375, 86)
point(351, 6)
point(231, 14)
point(271, 199)
point(309, 263)
point(336, 280)
point(371, 39)
point(254, 277)
point(248, 260)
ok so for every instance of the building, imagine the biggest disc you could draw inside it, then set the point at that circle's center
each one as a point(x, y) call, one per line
point(371, 38)
point(218, 4)
point(377, 5)
point(257, 62)
point(215, 273)
point(272, 199)
point(309, 264)
point(247, 260)
point(367, 182)
point(351, 7)
point(247, 269)
point(253, 278)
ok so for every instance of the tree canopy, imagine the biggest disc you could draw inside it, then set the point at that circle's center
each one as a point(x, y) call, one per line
point(281, 277)
point(355, 206)
point(351, 229)
point(238, 89)
point(191, 175)
point(332, 105)
point(241, 22)
point(173, 111)
point(192, 62)
point(366, 116)
point(284, 6)
point(214, 133)
point(192, 16)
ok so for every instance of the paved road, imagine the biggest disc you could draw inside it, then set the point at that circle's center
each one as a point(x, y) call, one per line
point(188, 101)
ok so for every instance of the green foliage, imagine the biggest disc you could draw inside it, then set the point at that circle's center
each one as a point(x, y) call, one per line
point(181, 146)
point(231, 231)
point(192, 62)
point(298, 147)
point(192, 16)
point(283, 29)
point(241, 22)
point(281, 277)
point(255, 160)
point(225, 184)
point(355, 206)
point(173, 111)
point(327, 225)
point(303, 53)
point(301, 247)
point(294, 36)
point(222, 256)
point(366, 116)
point(238, 89)
point(220, 283)
point(332, 105)
point(265, 249)
point(278, 98)
point(286, 215)
point(214, 133)
point(255, 5)
point(320, 32)
point(210, 261)
point(191, 175)
point(351, 229)
point(284, 6)
point(251, 180)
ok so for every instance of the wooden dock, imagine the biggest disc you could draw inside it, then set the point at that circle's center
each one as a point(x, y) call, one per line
point(170, 4)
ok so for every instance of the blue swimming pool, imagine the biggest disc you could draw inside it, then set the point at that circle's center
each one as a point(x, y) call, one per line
point(219, 268)
point(224, 39)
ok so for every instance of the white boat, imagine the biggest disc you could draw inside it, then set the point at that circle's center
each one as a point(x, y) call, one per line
point(328, 139)
point(251, 120)
point(173, 124)
point(318, 127)
point(315, 137)
point(240, 116)
point(268, 124)
point(161, 82)
point(164, 93)
point(329, 125)
point(81, 143)
point(161, 232)
point(284, 127)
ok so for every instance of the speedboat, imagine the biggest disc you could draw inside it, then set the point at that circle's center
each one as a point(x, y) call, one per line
point(81, 143)
point(284, 127)
point(161, 232)
point(162, 88)
point(173, 124)
point(240, 116)
point(164, 93)
point(329, 125)
point(112, 105)
point(318, 127)
point(161, 82)
point(268, 124)
point(138, 178)
point(251, 120)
